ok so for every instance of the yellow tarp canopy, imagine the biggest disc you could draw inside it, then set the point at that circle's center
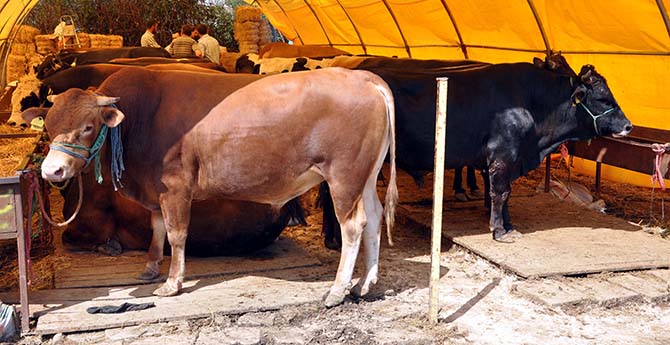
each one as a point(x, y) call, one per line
point(12, 13)
point(627, 41)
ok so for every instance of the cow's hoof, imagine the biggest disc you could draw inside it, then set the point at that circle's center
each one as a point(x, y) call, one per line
point(506, 236)
point(168, 289)
point(333, 299)
point(148, 274)
point(359, 290)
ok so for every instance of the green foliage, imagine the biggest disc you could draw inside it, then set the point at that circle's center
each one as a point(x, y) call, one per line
point(128, 17)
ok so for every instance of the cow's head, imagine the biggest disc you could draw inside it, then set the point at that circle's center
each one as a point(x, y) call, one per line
point(74, 123)
point(555, 62)
point(595, 101)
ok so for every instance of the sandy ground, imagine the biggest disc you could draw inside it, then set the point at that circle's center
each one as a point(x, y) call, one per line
point(479, 304)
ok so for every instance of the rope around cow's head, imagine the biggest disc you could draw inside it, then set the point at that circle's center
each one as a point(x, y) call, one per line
point(117, 165)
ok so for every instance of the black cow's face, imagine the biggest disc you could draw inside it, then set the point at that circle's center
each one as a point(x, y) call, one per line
point(594, 99)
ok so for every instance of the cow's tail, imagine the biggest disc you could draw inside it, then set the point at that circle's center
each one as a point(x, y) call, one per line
point(392, 189)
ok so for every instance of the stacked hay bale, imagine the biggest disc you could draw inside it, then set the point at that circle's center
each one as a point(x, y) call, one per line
point(45, 44)
point(22, 50)
point(105, 41)
point(247, 28)
point(84, 39)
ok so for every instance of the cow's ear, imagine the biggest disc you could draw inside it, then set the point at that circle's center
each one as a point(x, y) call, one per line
point(578, 94)
point(538, 62)
point(112, 117)
point(585, 74)
point(31, 113)
point(52, 98)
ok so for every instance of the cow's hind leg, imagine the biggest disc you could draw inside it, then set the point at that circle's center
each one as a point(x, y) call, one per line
point(500, 190)
point(371, 238)
point(176, 208)
point(352, 223)
point(155, 253)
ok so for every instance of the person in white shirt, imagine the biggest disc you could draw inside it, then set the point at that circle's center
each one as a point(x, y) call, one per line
point(208, 44)
point(148, 39)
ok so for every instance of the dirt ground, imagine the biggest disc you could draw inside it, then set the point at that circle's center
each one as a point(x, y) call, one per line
point(479, 302)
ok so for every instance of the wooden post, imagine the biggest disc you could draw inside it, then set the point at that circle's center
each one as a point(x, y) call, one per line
point(23, 261)
point(438, 193)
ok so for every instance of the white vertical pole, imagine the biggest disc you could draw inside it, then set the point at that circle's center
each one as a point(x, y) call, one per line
point(438, 190)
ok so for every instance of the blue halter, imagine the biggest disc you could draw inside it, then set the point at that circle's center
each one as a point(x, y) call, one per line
point(595, 117)
point(94, 154)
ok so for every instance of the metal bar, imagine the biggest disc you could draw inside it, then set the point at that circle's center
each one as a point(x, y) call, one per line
point(290, 22)
point(16, 135)
point(360, 38)
point(540, 26)
point(547, 172)
point(395, 20)
point(319, 21)
point(438, 195)
point(464, 49)
point(23, 260)
point(664, 14)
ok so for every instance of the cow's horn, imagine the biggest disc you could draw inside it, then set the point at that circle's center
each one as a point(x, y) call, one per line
point(104, 100)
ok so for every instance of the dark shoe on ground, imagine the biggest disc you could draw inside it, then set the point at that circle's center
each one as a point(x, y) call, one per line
point(461, 197)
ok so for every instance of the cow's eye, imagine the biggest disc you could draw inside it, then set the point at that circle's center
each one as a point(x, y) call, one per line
point(88, 129)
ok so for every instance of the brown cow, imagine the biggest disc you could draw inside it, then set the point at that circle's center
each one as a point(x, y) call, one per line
point(281, 49)
point(268, 143)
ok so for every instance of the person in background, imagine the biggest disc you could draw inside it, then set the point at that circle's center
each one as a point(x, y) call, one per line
point(459, 192)
point(184, 46)
point(208, 44)
point(148, 39)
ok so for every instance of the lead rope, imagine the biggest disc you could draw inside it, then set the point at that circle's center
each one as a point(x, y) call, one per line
point(33, 181)
point(662, 155)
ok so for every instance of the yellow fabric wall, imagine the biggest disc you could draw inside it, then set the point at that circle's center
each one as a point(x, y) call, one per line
point(627, 41)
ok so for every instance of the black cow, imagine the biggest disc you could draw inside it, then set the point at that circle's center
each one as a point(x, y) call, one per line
point(503, 118)
point(69, 58)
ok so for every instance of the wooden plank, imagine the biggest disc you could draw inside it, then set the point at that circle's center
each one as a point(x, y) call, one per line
point(236, 296)
point(92, 270)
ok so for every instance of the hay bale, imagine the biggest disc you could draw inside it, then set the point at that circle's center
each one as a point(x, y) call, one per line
point(84, 40)
point(45, 45)
point(249, 48)
point(99, 41)
point(247, 14)
point(16, 65)
point(22, 48)
point(115, 41)
point(26, 34)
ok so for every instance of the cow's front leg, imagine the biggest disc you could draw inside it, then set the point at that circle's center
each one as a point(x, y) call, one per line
point(500, 189)
point(155, 253)
point(176, 209)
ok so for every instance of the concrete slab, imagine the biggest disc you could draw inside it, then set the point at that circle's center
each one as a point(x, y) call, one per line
point(201, 298)
point(550, 292)
point(560, 238)
point(650, 288)
point(663, 275)
point(603, 292)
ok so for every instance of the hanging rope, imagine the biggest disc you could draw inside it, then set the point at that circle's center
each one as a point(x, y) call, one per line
point(117, 158)
point(661, 151)
point(34, 183)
